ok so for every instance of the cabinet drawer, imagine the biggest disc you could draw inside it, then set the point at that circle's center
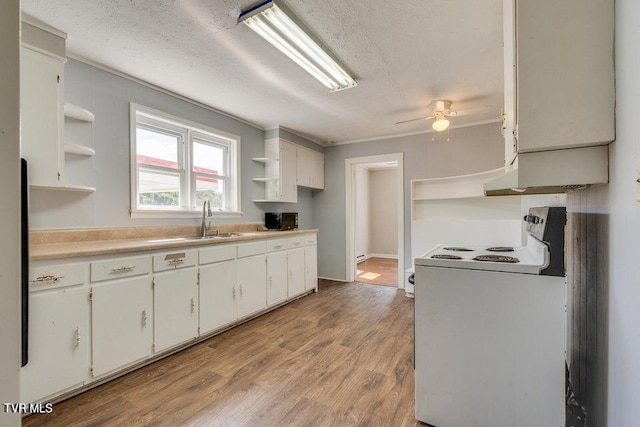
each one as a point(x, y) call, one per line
point(217, 254)
point(310, 240)
point(276, 245)
point(175, 259)
point(250, 249)
point(120, 267)
point(296, 242)
point(57, 276)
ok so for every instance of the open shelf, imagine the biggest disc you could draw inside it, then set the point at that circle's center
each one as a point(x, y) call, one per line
point(82, 150)
point(264, 159)
point(267, 201)
point(78, 113)
point(78, 188)
point(265, 179)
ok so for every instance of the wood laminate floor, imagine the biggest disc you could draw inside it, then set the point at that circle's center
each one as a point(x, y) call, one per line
point(339, 357)
point(378, 271)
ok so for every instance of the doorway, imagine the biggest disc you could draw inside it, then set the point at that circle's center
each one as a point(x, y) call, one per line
point(375, 220)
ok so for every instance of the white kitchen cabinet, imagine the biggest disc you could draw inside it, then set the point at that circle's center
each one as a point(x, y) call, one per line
point(276, 277)
point(252, 285)
point(561, 93)
point(122, 323)
point(42, 119)
point(280, 171)
point(310, 168)
point(311, 267)
point(218, 295)
point(296, 267)
point(175, 308)
point(58, 343)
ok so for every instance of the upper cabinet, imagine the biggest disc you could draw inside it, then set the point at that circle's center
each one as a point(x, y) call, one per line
point(310, 166)
point(288, 166)
point(43, 110)
point(559, 94)
point(42, 119)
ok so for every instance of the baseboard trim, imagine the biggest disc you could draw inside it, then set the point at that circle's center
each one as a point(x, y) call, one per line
point(335, 280)
point(388, 256)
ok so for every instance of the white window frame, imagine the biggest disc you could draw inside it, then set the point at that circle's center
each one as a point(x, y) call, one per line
point(189, 132)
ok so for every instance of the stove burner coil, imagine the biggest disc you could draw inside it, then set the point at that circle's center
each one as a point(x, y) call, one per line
point(500, 249)
point(445, 256)
point(457, 249)
point(496, 258)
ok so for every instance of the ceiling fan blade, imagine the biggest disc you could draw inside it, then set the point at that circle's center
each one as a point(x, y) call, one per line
point(469, 110)
point(413, 120)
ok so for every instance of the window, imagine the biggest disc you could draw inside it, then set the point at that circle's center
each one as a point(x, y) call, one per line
point(177, 165)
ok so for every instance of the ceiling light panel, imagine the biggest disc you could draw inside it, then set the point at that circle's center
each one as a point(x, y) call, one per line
point(280, 29)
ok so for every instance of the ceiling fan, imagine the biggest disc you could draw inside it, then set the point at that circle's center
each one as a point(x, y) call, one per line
point(440, 111)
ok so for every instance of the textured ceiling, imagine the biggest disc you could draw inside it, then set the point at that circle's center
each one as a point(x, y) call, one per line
point(403, 53)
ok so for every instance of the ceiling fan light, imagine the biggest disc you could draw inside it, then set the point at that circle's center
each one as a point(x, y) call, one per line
point(440, 125)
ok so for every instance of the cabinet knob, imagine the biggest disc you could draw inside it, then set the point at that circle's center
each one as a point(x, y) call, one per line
point(233, 292)
point(241, 290)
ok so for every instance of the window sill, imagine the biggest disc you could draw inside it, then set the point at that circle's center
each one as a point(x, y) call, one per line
point(181, 214)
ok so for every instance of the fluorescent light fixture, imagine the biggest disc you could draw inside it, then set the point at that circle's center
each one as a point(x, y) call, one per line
point(440, 124)
point(279, 28)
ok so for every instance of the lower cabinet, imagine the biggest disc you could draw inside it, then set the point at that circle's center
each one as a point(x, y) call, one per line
point(311, 267)
point(276, 277)
point(218, 295)
point(252, 285)
point(92, 318)
point(58, 343)
point(175, 303)
point(122, 328)
point(296, 266)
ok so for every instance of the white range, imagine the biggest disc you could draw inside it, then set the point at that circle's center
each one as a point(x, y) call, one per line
point(490, 331)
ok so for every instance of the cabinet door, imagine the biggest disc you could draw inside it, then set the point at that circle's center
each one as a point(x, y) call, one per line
point(252, 285)
point(122, 333)
point(218, 294)
point(296, 268)
point(42, 117)
point(175, 302)
point(311, 267)
point(276, 277)
point(58, 343)
point(317, 179)
point(288, 186)
point(304, 167)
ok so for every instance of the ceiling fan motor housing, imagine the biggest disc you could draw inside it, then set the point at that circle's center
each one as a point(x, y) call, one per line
point(440, 107)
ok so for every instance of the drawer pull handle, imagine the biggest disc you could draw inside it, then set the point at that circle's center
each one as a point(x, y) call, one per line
point(241, 291)
point(176, 261)
point(144, 318)
point(77, 338)
point(233, 292)
point(193, 305)
point(277, 247)
point(47, 278)
point(175, 256)
point(123, 269)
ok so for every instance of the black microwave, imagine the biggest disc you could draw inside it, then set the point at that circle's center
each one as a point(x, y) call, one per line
point(281, 220)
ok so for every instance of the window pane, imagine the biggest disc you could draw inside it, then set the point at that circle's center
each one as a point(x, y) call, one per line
point(212, 189)
point(158, 189)
point(156, 148)
point(208, 159)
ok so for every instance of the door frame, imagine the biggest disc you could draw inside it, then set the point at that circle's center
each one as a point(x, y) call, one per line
point(350, 169)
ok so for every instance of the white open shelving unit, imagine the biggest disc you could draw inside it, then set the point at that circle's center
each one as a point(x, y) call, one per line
point(75, 112)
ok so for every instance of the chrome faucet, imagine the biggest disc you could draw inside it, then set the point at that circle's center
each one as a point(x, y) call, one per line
point(206, 210)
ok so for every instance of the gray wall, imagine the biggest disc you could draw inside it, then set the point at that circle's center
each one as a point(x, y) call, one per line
point(108, 96)
point(383, 215)
point(456, 152)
